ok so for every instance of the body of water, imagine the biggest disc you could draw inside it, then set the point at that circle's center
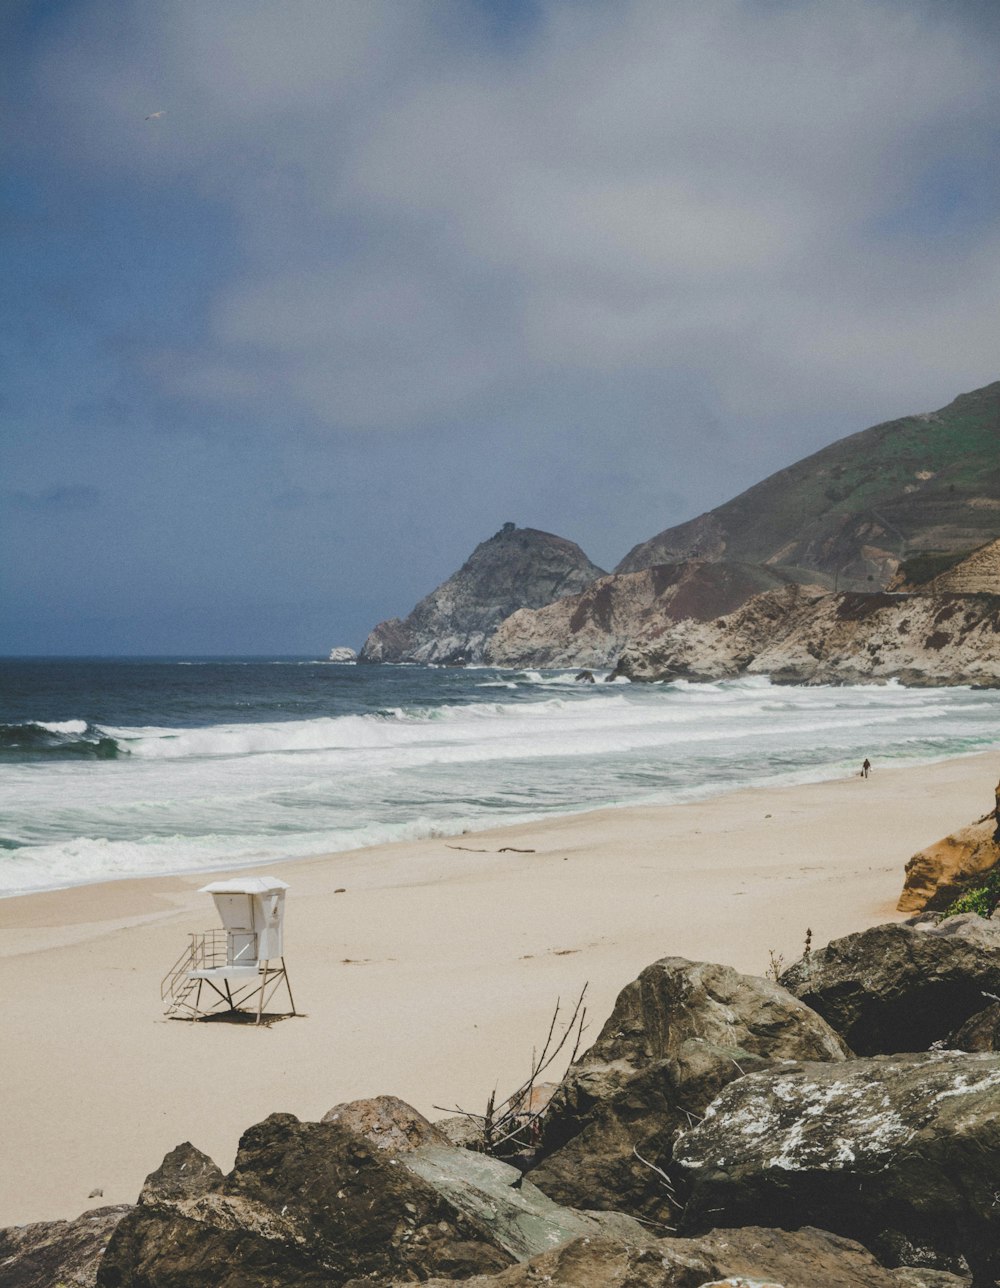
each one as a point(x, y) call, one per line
point(113, 768)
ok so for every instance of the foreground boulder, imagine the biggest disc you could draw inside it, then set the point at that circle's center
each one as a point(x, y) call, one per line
point(899, 1152)
point(979, 1033)
point(49, 1253)
point(677, 1035)
point(901, 987)
point(376, 1190)
point(746, 1258)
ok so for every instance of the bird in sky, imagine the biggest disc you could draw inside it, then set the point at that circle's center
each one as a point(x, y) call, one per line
point(155, 116)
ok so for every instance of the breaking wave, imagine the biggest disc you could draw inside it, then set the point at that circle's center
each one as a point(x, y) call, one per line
point(57, 739)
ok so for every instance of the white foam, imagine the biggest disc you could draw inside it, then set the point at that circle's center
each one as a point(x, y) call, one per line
point(62, 726)
point(193, 798)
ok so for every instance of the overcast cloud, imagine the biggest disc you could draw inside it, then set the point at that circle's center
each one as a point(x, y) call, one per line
point(385, 275)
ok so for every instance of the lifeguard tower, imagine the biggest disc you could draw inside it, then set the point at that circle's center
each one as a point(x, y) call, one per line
point(231, 969)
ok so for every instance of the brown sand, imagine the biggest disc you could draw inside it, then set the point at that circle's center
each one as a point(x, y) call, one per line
point(431, 977)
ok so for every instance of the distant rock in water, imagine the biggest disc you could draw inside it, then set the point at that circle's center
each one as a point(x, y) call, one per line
point(517, 568)
point(342, 654)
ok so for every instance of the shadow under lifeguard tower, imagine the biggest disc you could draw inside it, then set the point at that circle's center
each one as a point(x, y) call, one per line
point(237, 969)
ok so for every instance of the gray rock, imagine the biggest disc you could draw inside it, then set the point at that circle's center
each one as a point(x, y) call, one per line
point(899, 1152)
point(516, 568)
point(677, 1035)
point(342, 653)
point(898, 987)
point(50, 1253)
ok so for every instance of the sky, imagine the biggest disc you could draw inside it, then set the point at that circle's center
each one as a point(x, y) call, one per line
point(302, 299)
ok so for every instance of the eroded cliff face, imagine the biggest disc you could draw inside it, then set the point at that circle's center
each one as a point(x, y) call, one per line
point(592, 628)
point(804, 635)
point(517, 568)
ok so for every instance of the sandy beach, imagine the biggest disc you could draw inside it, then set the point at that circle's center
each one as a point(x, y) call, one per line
point(430, 975)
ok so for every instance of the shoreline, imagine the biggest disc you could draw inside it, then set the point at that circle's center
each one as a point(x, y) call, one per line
point(426, 968)
point(685, 796)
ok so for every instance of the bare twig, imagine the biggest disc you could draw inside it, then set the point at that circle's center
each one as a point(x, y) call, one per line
point(513, 1121)
point(665, 1180)
point(504, 849)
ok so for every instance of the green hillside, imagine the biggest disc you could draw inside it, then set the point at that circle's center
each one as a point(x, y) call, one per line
point(921, 491)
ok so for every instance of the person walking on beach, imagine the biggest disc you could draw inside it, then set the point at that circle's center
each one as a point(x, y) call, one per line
point(866, 767)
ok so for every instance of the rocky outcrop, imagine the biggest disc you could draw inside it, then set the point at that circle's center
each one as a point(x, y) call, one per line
point(185, 1173)
point(901, 987)
point(46, 1254)
point(921, 486)
point(342, 653)
point(899, 1152)
point(744, 1258)
point(591, 628)
point(517, 568)
point(372, 1190)
point(677, 1035)
point(802, 635)
point(940, 874)
point(976, 574)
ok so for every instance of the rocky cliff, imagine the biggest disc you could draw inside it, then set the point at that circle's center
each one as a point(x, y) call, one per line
point(920, 491)
point(517, 568)
point(592, 628)
point(805, 635)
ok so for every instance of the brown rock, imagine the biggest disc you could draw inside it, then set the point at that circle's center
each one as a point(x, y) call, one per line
point(184, 1173)
point(315, 1205)
point(938, 875)
point(981, 1032)
point(307, 1205)
point(752, 1256)
point(388, 1122)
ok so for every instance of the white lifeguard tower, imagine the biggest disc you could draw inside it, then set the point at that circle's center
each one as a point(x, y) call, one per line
point(242, 963)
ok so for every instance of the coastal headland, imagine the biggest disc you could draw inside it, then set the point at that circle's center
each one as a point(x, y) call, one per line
point(427, 969)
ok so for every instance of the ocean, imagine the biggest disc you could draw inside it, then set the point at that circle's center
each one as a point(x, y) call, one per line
point(130, 767)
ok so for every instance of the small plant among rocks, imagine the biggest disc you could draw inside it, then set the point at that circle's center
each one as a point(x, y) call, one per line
point(982, 899)
point(513, 1126)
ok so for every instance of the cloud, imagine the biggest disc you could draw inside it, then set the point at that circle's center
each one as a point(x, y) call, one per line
point(702, 209)
point(63, 498)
